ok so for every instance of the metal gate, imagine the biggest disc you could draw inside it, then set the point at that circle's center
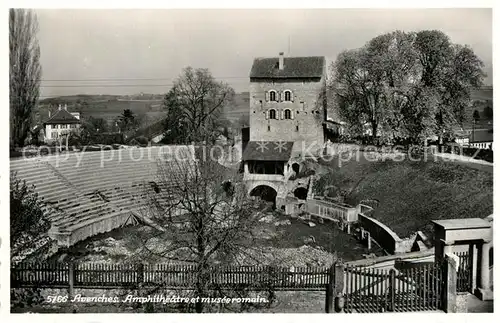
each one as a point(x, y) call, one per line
point(464, 273)
point(371, 290)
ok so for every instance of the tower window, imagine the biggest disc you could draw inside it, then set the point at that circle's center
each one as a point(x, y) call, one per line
point(288, 95)
point(288, 114)
point(272, 95)
point(272, 114)
point(268, 128)
point(297, 128)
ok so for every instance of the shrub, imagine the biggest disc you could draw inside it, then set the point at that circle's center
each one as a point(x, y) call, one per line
point(27, 220)
point(25, 297)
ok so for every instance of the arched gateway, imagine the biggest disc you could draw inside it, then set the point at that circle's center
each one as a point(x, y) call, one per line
point(265, 192)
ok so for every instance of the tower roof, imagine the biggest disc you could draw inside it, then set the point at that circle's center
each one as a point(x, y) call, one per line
point(293, 67)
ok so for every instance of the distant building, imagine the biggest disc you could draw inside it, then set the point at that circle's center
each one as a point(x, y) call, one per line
point(61, 123)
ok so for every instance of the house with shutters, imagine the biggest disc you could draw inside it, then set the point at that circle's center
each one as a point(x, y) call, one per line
point(60, 124)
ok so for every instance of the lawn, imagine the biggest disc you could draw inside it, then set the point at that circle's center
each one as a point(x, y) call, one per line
point(410, 194)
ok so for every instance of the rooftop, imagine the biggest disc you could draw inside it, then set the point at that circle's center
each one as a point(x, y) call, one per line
point(62, 116)
point(293, 67)
point(473, 223)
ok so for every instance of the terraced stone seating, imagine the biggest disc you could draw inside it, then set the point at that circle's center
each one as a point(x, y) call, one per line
point(87, 193)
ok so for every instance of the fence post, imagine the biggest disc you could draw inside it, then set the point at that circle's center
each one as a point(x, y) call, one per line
point(140, 278)
point(392, 289)
point(339, 287)
point(450, 285)
point(71, 279)
point(330, 289)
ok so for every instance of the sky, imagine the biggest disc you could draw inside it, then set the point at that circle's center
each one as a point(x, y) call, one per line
point(129, 51)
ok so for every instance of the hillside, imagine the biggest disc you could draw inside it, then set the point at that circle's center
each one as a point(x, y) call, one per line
point(111, 106)
point(239, 107)
point(411, 194)
point(108, 107)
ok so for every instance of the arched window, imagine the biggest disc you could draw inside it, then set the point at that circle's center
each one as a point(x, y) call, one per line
point(272, 95)
point(272, 114)
point(288, 95)
point(288, 114)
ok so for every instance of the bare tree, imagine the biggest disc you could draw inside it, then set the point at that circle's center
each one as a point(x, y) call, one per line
point(195, 103)
point(25, 73)
point(202, 216)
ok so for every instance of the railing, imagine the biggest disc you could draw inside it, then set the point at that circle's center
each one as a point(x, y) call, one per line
point(464, 272)
point(332, 211)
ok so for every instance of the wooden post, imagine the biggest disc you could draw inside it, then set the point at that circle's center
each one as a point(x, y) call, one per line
point(450, 285)
point(330, 289)
point(140, 273)
point(71, 279)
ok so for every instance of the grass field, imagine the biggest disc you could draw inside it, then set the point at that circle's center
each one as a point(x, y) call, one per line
point(411, 194)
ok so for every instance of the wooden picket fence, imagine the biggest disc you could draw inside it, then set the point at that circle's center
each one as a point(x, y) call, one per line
point(421, 287)
point(92, 275)
point(370, 290)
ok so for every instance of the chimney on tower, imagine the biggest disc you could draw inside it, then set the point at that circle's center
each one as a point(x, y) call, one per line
point(281, 61)
point(59, 107)
point(65, 107)
point(49, 113)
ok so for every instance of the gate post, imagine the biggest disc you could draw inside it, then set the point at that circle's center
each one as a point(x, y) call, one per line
point(339, 287)
point(450, 285)
point(330, 289)
point(392, 289)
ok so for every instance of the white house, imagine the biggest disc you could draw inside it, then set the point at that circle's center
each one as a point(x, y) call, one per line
point(61, 123)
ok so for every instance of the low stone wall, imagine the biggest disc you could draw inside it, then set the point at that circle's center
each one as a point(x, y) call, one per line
point(384, 236)
point(90, 228)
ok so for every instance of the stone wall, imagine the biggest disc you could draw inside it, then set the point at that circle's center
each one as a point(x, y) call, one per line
point(384, 236)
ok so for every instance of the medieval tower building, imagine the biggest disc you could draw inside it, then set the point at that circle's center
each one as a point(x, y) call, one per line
point(287, 121)
point(288, 101)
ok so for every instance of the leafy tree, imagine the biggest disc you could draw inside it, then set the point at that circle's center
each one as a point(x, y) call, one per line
point(452, 71)
point(126, 120)
point(411, 84)
point(175, 124)
point(196, 103)
point(25, 73)
point(27, 221)
point(367, 80)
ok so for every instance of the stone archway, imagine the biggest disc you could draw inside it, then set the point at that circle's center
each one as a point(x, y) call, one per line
point(265, 192)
